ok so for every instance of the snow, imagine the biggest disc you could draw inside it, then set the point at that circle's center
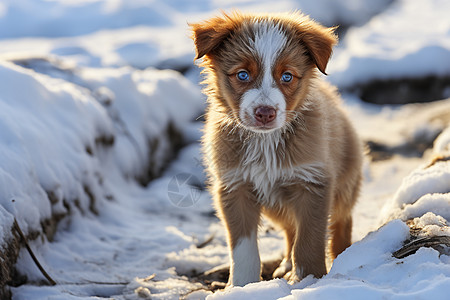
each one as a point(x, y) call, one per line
point(432, 225)
point(441, 144)
point(86, 107)
point(45, 141)
point(425, 190)
point(71, 18)
point(411, 37)
point(138, 33)
point(365, 270)
point(36, 157)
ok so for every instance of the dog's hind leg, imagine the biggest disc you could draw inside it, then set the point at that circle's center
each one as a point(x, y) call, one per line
point(286, 263)
point(341, 220)
point(341, 236)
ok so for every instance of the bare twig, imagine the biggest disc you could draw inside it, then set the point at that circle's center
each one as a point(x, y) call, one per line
point(205, 243)
point(27, 245)
point(89, 282)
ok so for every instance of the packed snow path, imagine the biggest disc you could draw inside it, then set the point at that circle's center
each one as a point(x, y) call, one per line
point(131, 239)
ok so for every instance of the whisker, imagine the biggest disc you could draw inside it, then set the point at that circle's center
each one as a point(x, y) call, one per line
point(199, 117)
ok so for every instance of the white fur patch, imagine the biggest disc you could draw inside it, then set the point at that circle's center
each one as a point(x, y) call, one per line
point(245, 262)
point(269, 97)
point(262, 167)
point(269, 40)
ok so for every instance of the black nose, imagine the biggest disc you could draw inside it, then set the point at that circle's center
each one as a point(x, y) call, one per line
point(265, 114)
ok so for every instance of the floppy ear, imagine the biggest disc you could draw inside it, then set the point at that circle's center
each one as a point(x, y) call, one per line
point(318, 40)
point(208, 35)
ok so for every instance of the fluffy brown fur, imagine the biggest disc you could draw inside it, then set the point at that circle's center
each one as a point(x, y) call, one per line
point(305, 175)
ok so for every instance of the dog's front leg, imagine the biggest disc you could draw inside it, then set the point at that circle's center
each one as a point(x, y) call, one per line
point(311, 214)
point(240, 214)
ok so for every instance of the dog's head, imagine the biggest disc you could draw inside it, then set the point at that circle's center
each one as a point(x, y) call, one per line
point(259, 66)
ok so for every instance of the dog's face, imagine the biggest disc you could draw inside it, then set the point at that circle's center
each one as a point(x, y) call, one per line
point(259, 67)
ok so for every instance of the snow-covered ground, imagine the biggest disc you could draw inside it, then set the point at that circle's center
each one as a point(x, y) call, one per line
point(82, 106)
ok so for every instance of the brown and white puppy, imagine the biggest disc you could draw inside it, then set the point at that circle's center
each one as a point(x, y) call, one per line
point(276, 140)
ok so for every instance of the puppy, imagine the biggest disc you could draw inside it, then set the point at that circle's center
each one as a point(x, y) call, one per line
point(276, 141)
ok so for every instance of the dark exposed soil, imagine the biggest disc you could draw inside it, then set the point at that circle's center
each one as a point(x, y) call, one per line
point(404, 90)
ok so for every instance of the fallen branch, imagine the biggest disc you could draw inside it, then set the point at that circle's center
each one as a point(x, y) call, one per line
point(435, 242)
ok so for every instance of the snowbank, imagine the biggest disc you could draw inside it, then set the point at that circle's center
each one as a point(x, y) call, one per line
point(426, 189)
point(70, 18)
point(139, 33)
point(61, 142)
point(411, 38)
point(27, 18)
point(47, 125)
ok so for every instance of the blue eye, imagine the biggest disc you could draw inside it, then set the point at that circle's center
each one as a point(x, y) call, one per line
point(286, 77)
point(243, 76)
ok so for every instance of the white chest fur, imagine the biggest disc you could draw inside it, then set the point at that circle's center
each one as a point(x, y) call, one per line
point(264, 166)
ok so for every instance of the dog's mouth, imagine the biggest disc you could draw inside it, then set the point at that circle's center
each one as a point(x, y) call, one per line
point(258, 126)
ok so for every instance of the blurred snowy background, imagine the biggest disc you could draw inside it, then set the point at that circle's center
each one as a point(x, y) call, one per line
point(100, 117)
